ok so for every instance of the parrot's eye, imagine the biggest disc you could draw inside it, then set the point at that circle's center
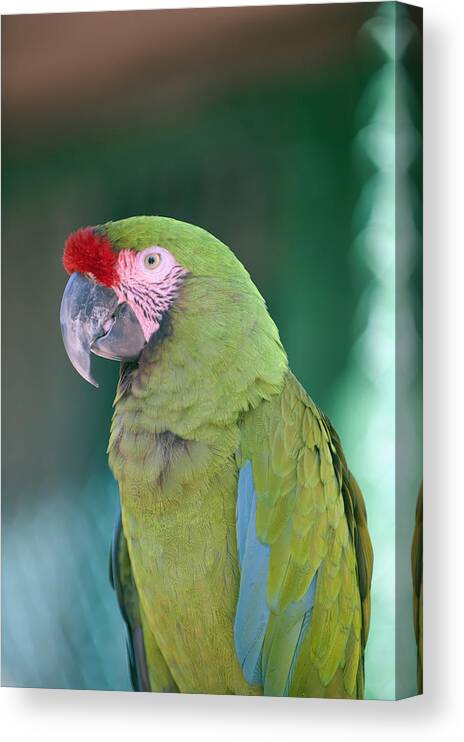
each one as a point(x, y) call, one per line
point(152, 261)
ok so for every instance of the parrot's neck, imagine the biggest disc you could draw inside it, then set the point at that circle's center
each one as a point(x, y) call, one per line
point(217, 356)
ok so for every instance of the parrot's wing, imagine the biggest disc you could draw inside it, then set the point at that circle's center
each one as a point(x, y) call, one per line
point(128, 600)
point(417, 583)
point(304, 552)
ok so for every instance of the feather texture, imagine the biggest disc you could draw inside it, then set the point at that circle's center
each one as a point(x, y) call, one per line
point(310, 519)
point(147, 668)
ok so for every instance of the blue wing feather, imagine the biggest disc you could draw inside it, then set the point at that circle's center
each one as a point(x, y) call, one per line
point(252, 613)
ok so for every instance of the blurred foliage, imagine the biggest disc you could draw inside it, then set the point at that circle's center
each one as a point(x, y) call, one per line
point(274, 170)
point(383, 379)
point(60, 625)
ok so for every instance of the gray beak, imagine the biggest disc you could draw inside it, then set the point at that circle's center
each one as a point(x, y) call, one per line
point(92, 319)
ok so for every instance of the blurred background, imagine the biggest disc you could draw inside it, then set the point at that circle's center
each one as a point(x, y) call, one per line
point(274, 128)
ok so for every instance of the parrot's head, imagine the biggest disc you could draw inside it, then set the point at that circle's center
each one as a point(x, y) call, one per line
point(126, 277)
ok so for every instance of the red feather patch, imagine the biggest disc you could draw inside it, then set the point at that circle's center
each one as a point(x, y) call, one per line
point(86, 251)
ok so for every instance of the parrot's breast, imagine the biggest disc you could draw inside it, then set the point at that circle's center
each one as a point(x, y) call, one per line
point(178, 502)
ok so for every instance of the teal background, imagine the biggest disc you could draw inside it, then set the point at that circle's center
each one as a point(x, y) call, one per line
point(286, 151)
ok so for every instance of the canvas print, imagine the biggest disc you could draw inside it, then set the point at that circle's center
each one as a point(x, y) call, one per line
point(212, 470)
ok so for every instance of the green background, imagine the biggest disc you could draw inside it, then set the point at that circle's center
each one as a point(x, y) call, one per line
point(293, 164)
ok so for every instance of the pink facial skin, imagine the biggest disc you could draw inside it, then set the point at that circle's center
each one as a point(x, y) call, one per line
point(149, 282)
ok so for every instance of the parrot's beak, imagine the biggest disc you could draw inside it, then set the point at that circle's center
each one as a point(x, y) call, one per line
point(92, 319)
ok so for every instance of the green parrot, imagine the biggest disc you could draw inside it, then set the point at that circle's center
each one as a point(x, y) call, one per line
point(242, 560)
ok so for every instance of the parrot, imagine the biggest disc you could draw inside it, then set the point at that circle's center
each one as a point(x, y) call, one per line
point(417, 582)
point(241, 558)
